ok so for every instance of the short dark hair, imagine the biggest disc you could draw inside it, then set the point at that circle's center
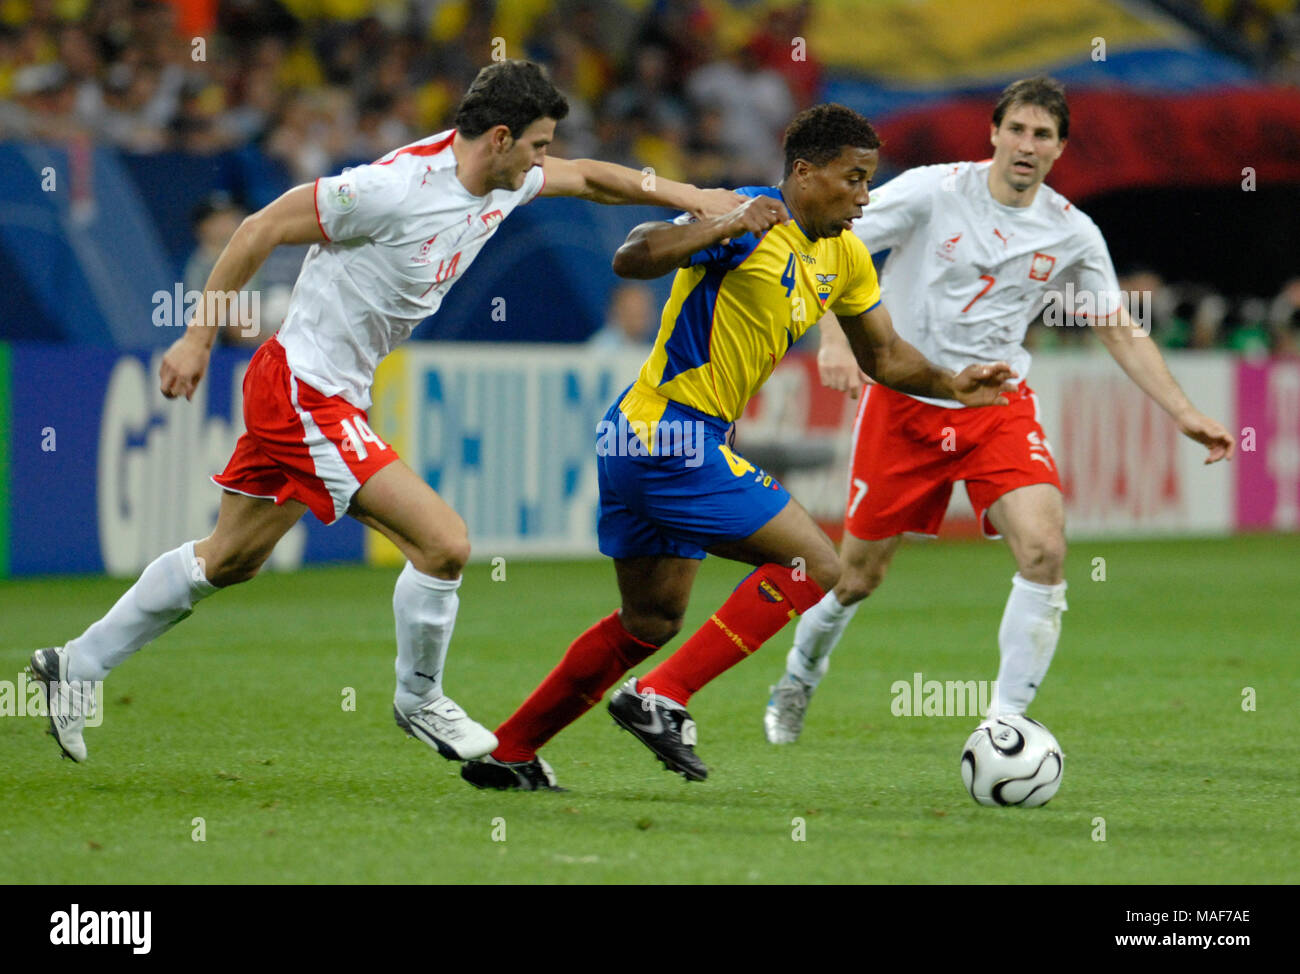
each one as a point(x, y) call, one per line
point(818, 134)
point(1047, 93)
point(510, 93)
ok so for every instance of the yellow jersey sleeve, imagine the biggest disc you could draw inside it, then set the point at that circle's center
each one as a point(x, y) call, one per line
point(862, 291)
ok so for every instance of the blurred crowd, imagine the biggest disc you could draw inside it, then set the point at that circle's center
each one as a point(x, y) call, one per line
point(322, 84)
point(1267, 31)
point(656, 88)
point(1190, 315)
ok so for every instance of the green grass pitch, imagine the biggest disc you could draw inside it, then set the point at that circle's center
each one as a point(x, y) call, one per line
point(236, 718)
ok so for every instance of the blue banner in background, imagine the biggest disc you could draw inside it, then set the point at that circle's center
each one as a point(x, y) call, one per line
point(106, 474)
point(506, 434)
point(549, 271)
point(75, 231)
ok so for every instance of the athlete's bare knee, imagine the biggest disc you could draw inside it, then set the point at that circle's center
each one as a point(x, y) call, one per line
point(859, 581)
point(654, 626)
point(825, 570)
point(1042, 559)
point(226, 568)
point(445, 553)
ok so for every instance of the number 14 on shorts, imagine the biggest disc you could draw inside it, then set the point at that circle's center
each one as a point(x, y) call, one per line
point(356, 434)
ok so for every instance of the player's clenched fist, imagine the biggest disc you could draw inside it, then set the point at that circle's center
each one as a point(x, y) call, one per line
point(983, 385)
point(755, 216)
point(183, 366)
point(839, 370)
point(714, 203)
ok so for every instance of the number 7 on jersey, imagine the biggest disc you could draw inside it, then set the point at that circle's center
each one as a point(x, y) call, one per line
point(983, 291)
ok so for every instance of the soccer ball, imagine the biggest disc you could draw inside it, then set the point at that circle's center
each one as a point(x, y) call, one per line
point(1012, 760)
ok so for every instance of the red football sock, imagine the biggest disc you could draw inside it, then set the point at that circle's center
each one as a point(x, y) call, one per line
point(758, 609)
point(592, 665)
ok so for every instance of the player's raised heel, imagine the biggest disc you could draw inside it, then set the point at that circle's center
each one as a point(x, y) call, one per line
point(534, 775)
point(445, 727)
point(783, 719)
point(66, 702)
point(661, 725)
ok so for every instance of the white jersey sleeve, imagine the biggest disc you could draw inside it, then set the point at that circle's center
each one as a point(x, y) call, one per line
point(533, 185)
point(361, 203)
point(1090, 283)
point(899, 207)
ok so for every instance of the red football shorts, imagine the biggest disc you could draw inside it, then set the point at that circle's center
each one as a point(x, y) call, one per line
point(299, 443)
point(907, 455)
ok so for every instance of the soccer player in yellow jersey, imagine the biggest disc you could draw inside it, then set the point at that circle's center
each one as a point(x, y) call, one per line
point(748, 284)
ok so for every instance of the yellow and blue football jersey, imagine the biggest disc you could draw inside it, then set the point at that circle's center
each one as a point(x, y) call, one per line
point(736, 309)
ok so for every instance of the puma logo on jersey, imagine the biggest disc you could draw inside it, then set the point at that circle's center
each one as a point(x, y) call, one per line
point(947, 247)
point(998, 233)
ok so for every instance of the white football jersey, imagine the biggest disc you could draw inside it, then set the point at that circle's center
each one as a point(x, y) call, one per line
point(966, 276)
point(401, 231)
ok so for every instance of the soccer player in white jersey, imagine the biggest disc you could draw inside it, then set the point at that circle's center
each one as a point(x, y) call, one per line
point(975, 248)
point(389, 240)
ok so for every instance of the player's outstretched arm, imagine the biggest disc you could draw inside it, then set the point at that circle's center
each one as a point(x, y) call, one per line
point(655, 248)
point(607, 182)
point(291, 219)
point(1131, 346)
point(895, 363)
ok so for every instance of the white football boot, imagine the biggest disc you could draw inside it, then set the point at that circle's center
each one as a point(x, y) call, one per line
point(68, 703)
point(783, 719)
point(445, 727)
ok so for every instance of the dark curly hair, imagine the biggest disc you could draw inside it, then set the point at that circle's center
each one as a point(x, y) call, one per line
point(818, 134)
point(1042, 91)
point(510, 93)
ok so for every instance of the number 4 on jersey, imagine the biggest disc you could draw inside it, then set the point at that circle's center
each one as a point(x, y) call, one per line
point(788, 278)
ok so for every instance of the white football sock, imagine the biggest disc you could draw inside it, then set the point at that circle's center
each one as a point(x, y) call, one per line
point(819, 629)
point(425, 608)
point(162, 596)
point(1031, 626)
